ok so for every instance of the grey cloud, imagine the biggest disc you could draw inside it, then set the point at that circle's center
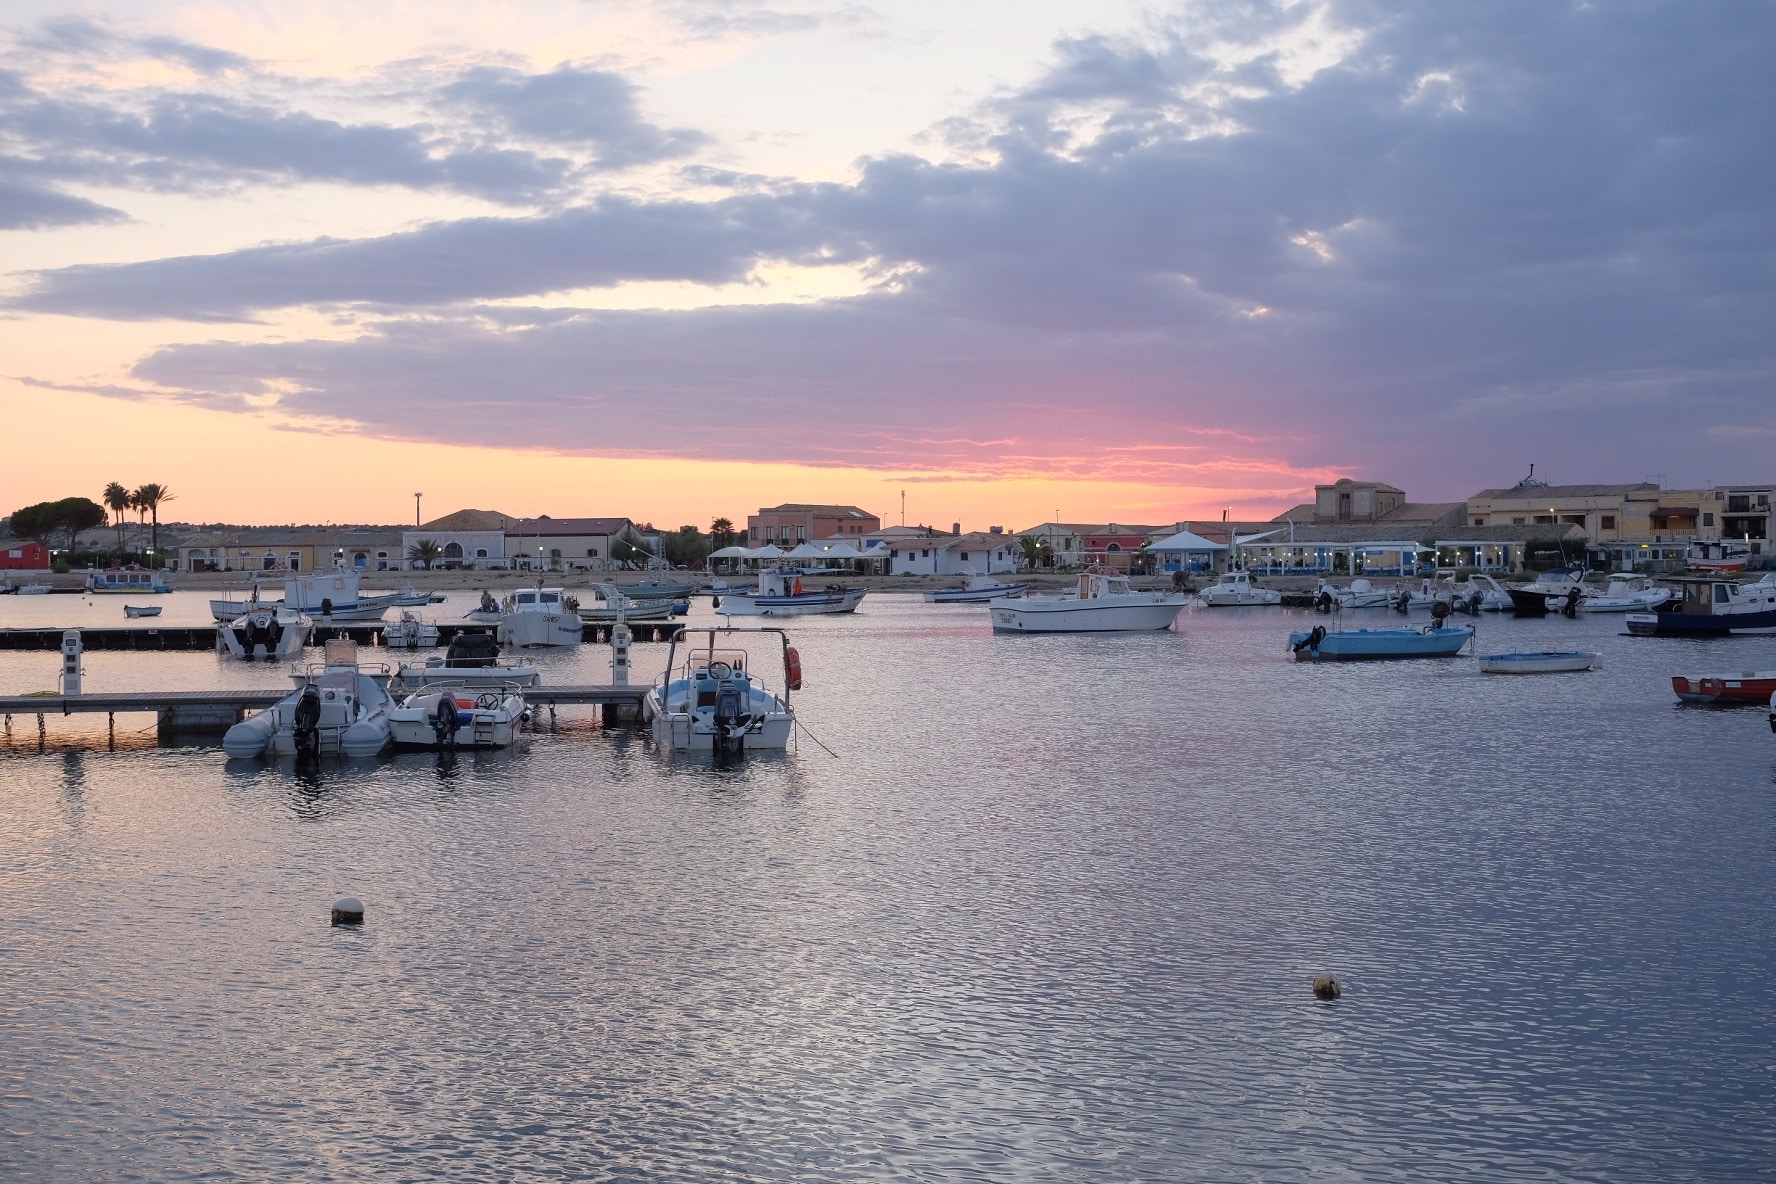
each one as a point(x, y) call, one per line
point(25, 205)
point(591, 108)
point(84, 39)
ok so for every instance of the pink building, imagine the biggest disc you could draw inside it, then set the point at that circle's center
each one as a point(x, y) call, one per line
point(792, 524)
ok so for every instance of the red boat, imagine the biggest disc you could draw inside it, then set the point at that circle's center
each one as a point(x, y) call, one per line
point(1749, 687)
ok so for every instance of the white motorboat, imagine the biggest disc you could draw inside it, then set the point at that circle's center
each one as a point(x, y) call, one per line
point(339, 706)
point(1483, 595)
point(411, 632)
point(269, 635)
point(448, 716)
point(35, 589)
point(614, 602)
point(408, 598)
point(712, 699)
point(1543, 662)
point(1625, 594)
point(780, 592)
point(141, 610)
point(1359, 593)
point(539, 617)
point(979, 588)
point(1235, 589)
point(329, 597)
point(472, 658)
point(1101, 603)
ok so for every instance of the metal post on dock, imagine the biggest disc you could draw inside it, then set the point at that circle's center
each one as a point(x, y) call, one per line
point(71, 662)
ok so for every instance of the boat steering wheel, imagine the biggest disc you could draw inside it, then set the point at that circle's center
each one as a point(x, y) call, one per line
point(720, 670)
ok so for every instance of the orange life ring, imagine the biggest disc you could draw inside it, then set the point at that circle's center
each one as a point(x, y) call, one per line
point(792, 668)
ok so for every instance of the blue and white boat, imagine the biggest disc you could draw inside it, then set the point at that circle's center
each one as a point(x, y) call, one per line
point(127, 579)
point(780, 592)
point(1349, 645)
point(978, 589)
point(329, 596)
point(1542, 662)
point(1710, 608)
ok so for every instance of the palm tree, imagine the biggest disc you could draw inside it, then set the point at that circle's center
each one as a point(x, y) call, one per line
point(426, 551)
point(721, 532)
point(117, 500)
point(149, 497)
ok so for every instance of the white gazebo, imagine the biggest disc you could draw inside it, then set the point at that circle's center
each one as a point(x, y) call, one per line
point(1187, 551)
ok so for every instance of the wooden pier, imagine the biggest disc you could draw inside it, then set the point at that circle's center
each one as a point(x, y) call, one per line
point(203, 637)
point(179, 712)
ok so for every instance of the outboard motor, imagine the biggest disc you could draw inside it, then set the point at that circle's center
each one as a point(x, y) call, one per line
point(1403, 601)
point(326, 606)
point(1571, 607)
point(730, 722)
point(1312, 640)
point(306, 727)
point(1439, 613)
point(444, 722)
point(1323, 602)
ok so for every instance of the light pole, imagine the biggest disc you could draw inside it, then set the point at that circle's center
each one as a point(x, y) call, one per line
point(416, 498)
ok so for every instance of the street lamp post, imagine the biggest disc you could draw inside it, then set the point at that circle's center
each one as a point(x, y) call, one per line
point(416, 498)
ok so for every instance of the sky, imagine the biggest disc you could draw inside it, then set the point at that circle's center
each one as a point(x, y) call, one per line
point(1002, 263)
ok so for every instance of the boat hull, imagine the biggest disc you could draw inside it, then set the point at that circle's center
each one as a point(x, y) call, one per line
point(1084, 616)
point(808, 604)
point(535, 630)
point(1538, 663)
point(1368, 645)
point(484, 719)
point(1681, 624)
point(1747, 689)
point(977, 595)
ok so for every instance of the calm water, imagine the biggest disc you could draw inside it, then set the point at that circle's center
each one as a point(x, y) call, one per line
point(1051, 913)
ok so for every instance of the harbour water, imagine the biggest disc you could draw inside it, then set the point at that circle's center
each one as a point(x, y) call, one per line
point(1049, 910)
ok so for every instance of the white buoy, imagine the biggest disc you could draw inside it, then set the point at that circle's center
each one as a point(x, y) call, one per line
point(348, 910)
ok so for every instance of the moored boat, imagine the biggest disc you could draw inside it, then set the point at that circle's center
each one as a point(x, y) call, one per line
point(127, 579)
point(1359, 593)
point(978, 588)
point(780, 592)
point(1102, 602)
point(447, 716)
point(338, 706)
point(330, 596)
point(1709, 608)
point(1235, 589)
point(539, 618)
point(269, 635)
point(1347, 645)
point(712, 698)
point(411, 632)
point(141, 610)
point(1718, 556)
point(1625, 594)
point(658, 589)
point(614, 602)
point(1743, 689)
point(1541, 662)
point(472, 658)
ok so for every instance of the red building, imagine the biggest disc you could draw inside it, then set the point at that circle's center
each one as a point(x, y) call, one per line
point(24, 557)
point(788, 525)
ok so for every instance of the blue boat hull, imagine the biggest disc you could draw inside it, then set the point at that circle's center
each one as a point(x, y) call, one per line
point(1364, 645)
point(1678, 624)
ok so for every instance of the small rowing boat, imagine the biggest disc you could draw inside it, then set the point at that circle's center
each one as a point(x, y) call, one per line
point(1540, 662)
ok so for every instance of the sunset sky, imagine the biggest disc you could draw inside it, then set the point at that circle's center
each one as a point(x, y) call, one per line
point(1106, 261)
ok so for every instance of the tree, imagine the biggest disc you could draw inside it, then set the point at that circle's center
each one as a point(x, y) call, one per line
point(149, 497)
point(117, 500)
point(71, 515)
point(426, 551)
point(1032, 549)
point(686, 547)
point(721, 533)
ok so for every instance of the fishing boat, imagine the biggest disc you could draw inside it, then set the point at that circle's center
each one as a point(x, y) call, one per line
point(712, 697)
point(614, 602)
point(1544, 662)
point(780, 592)
point(141, 610)
point(337, 706)
point(1557, 589)
point(1346, 645)
point(1745, 688)
point(331, 596)
point(35, 589)
point(978, 588)
point(1625, 594)
point(449, 716)
point(1709, 608)
point(471, 658)
point(1718, 556)
point(539, 618)
point(411, 632)
point(1102, 602)
point(487, 612)
point(272, 634)
point(659, 589)
point(1235, 589)
point(127, 579)
point(1359, 593)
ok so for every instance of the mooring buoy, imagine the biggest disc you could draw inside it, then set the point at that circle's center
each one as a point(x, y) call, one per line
point(349, 911)
point(1326, 987)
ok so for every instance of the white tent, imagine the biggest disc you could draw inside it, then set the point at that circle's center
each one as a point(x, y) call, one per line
point(843, 551)
point(768, 551)
point(1186, 542)
point(807, 551)
point(731, 553)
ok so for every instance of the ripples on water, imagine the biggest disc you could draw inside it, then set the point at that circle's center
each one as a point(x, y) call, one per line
point(1051, 914)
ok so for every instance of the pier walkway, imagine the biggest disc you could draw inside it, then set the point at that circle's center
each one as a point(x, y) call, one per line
point(203, 637)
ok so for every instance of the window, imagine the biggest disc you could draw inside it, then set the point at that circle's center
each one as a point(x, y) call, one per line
point(801, 534)
point(1708, 520)
point(1605, 522)
point(1113, 548)
point(480, 553)
point(1517, 522)
point(453, 550)
point(1479, 522)
point(964, 560)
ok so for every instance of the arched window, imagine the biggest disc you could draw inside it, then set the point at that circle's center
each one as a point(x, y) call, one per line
point(453, 550)
point(480, 553)
point(360, 559)
point(591, 552)
point(1113, 548)
point(554, 553)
